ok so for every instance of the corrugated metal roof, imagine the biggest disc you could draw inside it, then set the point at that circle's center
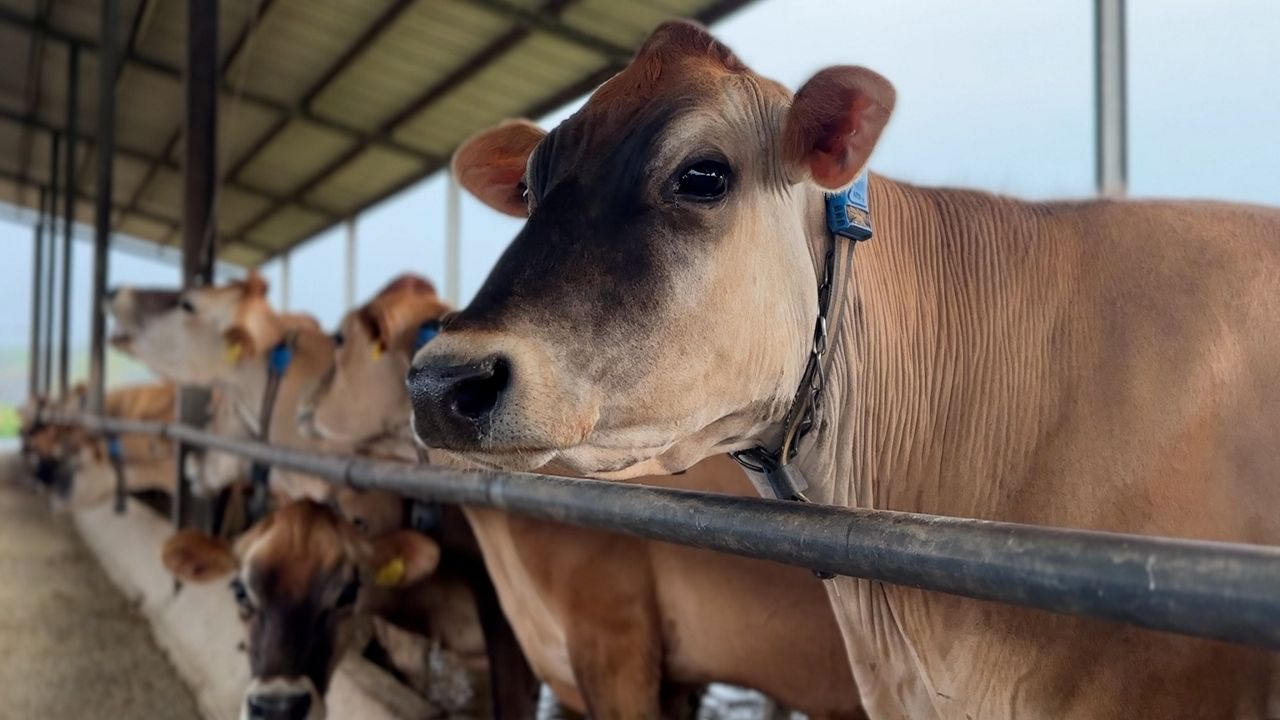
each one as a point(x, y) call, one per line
point(326, 107)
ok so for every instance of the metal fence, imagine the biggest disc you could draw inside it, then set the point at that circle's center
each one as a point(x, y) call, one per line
point(1224, 591)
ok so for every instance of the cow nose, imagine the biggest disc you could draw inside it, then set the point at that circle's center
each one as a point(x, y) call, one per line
point(451, 402)
point(279, 706)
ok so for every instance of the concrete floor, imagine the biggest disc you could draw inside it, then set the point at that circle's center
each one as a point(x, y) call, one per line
point(70, 645)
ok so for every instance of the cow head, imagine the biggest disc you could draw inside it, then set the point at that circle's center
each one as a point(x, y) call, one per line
point(301, 580)
point(195, 336)
point(658, 305)
point(364, 397)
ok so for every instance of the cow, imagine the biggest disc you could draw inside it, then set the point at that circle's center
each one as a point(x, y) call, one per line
point(79, 463)
point(1101, 364)
point(309, 585)
point(616, 626)
point(224, 337)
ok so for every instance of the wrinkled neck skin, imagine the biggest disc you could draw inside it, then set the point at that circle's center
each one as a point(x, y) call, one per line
point(937, 383)
point(923, 386)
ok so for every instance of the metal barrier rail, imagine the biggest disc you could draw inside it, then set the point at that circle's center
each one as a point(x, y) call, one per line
point(1224, 591)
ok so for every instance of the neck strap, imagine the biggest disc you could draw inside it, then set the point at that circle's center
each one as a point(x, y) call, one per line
point(849, 221)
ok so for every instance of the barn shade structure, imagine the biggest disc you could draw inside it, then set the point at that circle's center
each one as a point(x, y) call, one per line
point(324, 107)
point(260, 123)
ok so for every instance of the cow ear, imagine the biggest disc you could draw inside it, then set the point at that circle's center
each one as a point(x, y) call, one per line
point(196, 557)
point(402, 558)
point(491, 165)
point(834, 124)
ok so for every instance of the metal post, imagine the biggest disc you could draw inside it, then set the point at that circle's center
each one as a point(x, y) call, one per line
point(50, 276)
point(199, 228)
point(37, 274)
point(107, 58)
point(69, 216)
point(1111, 123)
point(284, 283)
point(350, 289)
point(452, 242)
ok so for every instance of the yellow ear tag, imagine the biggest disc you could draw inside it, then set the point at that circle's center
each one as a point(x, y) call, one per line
point(378, 349)
point(234, 351)
point(391, 574)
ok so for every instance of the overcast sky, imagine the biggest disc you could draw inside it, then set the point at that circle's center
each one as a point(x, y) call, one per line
point(995, 94)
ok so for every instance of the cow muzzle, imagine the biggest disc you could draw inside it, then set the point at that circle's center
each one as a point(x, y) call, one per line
point(454, 403)
point(282, 699)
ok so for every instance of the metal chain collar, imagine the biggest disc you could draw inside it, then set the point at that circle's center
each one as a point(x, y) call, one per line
point(804, 406)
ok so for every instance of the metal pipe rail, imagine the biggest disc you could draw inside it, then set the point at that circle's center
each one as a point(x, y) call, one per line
point(1224, 591)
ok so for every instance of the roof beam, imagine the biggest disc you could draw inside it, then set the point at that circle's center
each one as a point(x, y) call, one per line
point(335, 69)
point(145, 157)
point(240, 43)
point(543, 19)
point(478, 62)
point(13, 18)
point(141, 20)
point(547, 21)
point(34, 86)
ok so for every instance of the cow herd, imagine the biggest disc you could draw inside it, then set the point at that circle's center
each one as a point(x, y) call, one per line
point(1099, 365)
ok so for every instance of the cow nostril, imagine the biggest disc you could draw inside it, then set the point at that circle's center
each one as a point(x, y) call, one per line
point(476, 396)
point(292, 706)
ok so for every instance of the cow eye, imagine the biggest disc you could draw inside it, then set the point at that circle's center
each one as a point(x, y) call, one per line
point(704, 180)
point(339, 339)
point(187, 306)
point(242, 596)
point(349, 593)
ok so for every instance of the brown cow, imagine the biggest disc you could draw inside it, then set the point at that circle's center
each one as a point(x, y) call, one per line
point(309, 586)
point(1104, 365)
point(222, 337)
point(79, 461)
point(607, 621)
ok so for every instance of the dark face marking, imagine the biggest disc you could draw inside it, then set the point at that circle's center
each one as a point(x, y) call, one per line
point(295, 637)
point(604, 238)
point(301, 590)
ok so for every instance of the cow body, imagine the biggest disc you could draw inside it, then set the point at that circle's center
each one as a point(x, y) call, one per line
point(1089, 365)
point(615, 625)
point(1100, 365)
point(82, 459)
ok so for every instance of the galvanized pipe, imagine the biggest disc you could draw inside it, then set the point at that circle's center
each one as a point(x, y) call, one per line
point(69, 216)
point(107, 59)
point(1223, 591)
point(50, 277)
point(37, 275)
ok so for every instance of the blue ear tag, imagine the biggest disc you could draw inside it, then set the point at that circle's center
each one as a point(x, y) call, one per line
point(849, 212)
point(426, 333)
point(281, 356)
point(114, 449)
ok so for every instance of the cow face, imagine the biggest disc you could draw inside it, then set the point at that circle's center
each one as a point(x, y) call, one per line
point(299, 579)
point(195, 336)
point(658, 305)
point(364, 398)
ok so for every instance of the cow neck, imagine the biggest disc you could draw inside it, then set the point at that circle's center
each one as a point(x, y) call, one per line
point(848, 222)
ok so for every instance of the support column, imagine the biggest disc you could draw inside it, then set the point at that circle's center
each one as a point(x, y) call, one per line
point(350, 288)
point(453, 242)
point(37, 275)
point(1111, 98)
point(50, 274)
point(108, 56)
point(285, 283)
point(199, 228)
point(69, 216)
